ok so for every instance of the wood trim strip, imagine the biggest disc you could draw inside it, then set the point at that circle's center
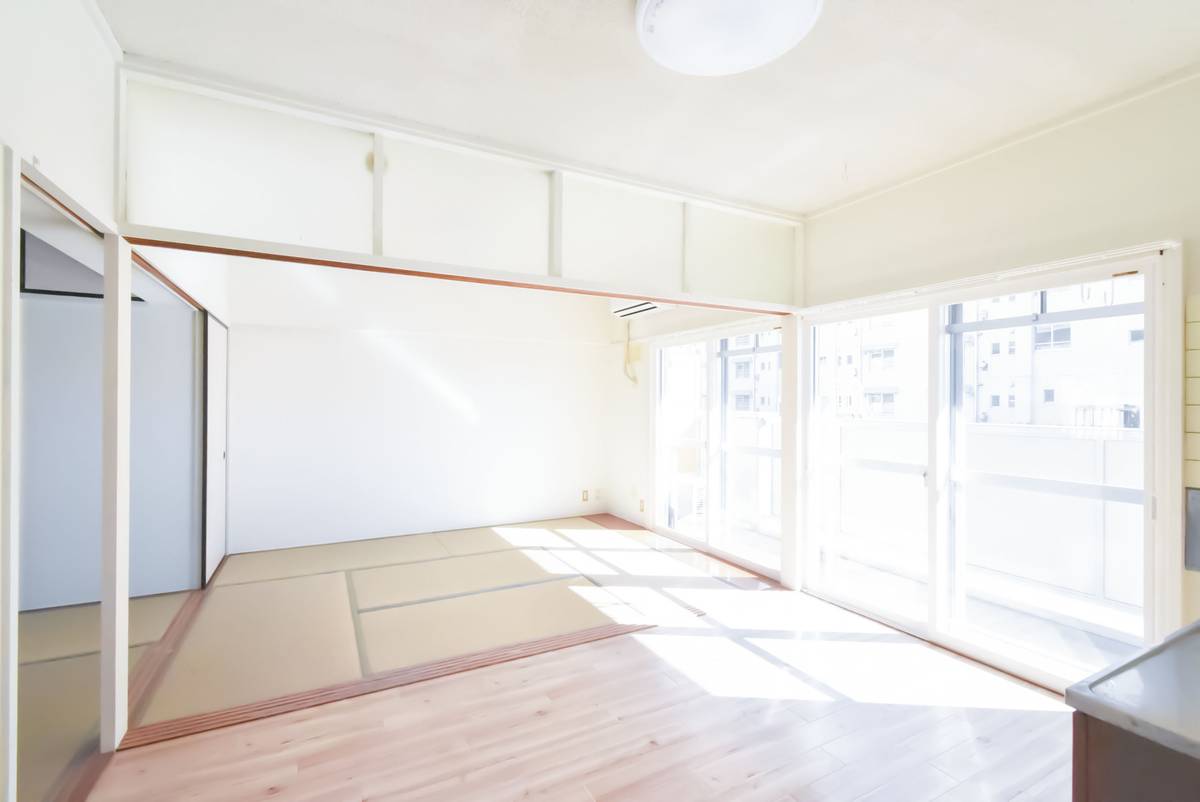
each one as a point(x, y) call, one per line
point(190, 725)
point(50, 198)
point(150, 669)
point(162, 278)
point(401, 271)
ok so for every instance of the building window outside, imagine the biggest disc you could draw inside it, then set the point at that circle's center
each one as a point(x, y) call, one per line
point(741, 369)
point(1012, 347)
point(741, 402)
point(1137, 335)
point(995, 400)
point(995, 348)
point(1052, 336)
point(1012, 400)
point(1048, 396)
point(881, 403)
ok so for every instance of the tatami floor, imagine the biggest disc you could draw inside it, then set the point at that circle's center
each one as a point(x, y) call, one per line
point(729, 689)
point(769, 695)
point(291, 621)
point(59, 683)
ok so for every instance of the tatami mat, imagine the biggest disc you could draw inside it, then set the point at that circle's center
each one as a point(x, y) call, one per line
point(397, 637)
point(58, 716)
point(403, 584)
point(261, 565)
point(260, 640)
point(75, 630)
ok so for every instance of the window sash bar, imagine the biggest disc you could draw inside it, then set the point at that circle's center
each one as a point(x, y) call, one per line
point(1092, 313)
point(1099, 492)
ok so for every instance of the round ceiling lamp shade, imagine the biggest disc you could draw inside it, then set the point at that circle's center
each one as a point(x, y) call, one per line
point(722, 37)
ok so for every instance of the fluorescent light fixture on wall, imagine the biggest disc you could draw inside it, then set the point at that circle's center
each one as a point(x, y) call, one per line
point(722, 37)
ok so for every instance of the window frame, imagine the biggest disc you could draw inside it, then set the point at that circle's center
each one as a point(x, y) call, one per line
point(1162, 267)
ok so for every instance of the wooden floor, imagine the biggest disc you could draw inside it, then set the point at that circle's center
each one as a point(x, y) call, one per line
point(771, 696)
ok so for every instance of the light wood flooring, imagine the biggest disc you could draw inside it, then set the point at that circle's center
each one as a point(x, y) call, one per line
point(771, 695)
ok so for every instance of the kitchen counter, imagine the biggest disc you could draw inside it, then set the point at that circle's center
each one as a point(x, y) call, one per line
point(1137, 726)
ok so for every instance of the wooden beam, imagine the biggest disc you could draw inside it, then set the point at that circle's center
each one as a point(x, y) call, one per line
point(114, 596)
point(202, 243)
point(10, 447)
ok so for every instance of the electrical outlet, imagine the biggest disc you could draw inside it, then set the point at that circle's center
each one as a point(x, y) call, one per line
point(641, 505)
point(585, 495)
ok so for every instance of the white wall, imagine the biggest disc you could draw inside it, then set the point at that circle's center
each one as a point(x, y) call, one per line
point(365, 406)
point(1121, 177)
point(627, 443)
point(58, 95)
point(60, 427)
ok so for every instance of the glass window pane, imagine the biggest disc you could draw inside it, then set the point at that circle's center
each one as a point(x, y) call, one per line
point(869, 446)
point(682, 435)
point(1047, 520)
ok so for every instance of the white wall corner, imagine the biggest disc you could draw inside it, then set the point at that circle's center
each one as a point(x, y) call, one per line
point(799, 263)
point(103, 29)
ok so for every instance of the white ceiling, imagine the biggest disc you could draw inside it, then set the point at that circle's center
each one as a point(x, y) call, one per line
point(880, 91)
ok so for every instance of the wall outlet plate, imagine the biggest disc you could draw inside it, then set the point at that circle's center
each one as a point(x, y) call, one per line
point(585, 495)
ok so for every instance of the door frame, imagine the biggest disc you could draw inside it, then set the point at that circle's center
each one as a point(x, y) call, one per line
point(208, 319)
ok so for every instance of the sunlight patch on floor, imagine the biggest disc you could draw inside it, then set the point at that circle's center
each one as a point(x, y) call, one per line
point(786, 611)
point(724, 668)
point(904, 673)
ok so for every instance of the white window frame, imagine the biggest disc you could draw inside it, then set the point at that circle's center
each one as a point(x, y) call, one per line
point(1161, 264)
point(786, 573)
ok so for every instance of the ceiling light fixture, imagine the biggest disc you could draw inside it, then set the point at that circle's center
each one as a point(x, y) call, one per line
point(722, 37)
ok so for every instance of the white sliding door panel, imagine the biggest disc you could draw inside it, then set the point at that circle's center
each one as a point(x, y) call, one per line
point(621, 237)
point(442, 205)
point(730, 255)
point(201, 164)
point(216, 403)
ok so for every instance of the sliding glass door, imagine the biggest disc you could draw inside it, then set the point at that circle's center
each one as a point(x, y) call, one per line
point(719, 444)
point(1015, 526)
point(682, 439)
point(1047, 454)
point(867, 455)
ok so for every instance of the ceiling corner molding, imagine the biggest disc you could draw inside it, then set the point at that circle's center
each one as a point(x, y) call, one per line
point(100, 23)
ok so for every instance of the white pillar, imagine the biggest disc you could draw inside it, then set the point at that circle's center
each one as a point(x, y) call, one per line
point(791, 473)
point(114, 598)
point(10, 447)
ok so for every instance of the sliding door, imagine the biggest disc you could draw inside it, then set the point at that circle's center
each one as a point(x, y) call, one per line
point(976, 470)
point(215, 414)
point(1048, 475)
point(867, 455)
point(719, 444)
point(749, 448)
point(682, 439)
